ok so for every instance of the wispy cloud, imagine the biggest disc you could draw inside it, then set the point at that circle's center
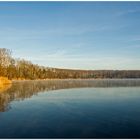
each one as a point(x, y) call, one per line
point(126, 12)
point(134, 38)
point(63, 59)
point(14, 34)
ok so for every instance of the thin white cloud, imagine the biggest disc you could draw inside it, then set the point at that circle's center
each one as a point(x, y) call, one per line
point(133, 46)
point(65, 60)
point(14, 34)
point(125, 12)
point(134, 38)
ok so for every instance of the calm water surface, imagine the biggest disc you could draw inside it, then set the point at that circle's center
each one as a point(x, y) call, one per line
point(71, 109)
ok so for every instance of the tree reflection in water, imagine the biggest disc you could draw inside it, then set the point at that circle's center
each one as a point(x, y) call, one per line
point(21, 90)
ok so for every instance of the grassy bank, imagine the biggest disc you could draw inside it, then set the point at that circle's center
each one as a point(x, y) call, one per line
point(4, 81)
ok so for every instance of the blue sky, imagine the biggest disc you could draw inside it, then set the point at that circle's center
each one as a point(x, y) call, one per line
point(79, 35)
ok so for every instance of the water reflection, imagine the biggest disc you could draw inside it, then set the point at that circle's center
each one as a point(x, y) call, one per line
point(5, 87)
point(26, 89)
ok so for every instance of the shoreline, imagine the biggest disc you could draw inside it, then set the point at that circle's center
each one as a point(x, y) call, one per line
point(5, 81)
point(74, 79)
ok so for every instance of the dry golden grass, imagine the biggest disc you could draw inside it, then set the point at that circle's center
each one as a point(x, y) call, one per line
point(4, 81)
point(5, 84)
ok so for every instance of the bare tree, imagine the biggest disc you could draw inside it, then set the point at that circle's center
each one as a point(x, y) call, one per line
point(5, 57)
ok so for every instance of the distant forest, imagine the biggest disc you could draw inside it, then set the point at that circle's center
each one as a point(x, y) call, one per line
point(23, 69)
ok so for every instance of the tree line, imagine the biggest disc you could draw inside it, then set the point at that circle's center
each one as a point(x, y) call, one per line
point(23, 69)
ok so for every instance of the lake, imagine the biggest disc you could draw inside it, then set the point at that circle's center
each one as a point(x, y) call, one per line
point(71, 109)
